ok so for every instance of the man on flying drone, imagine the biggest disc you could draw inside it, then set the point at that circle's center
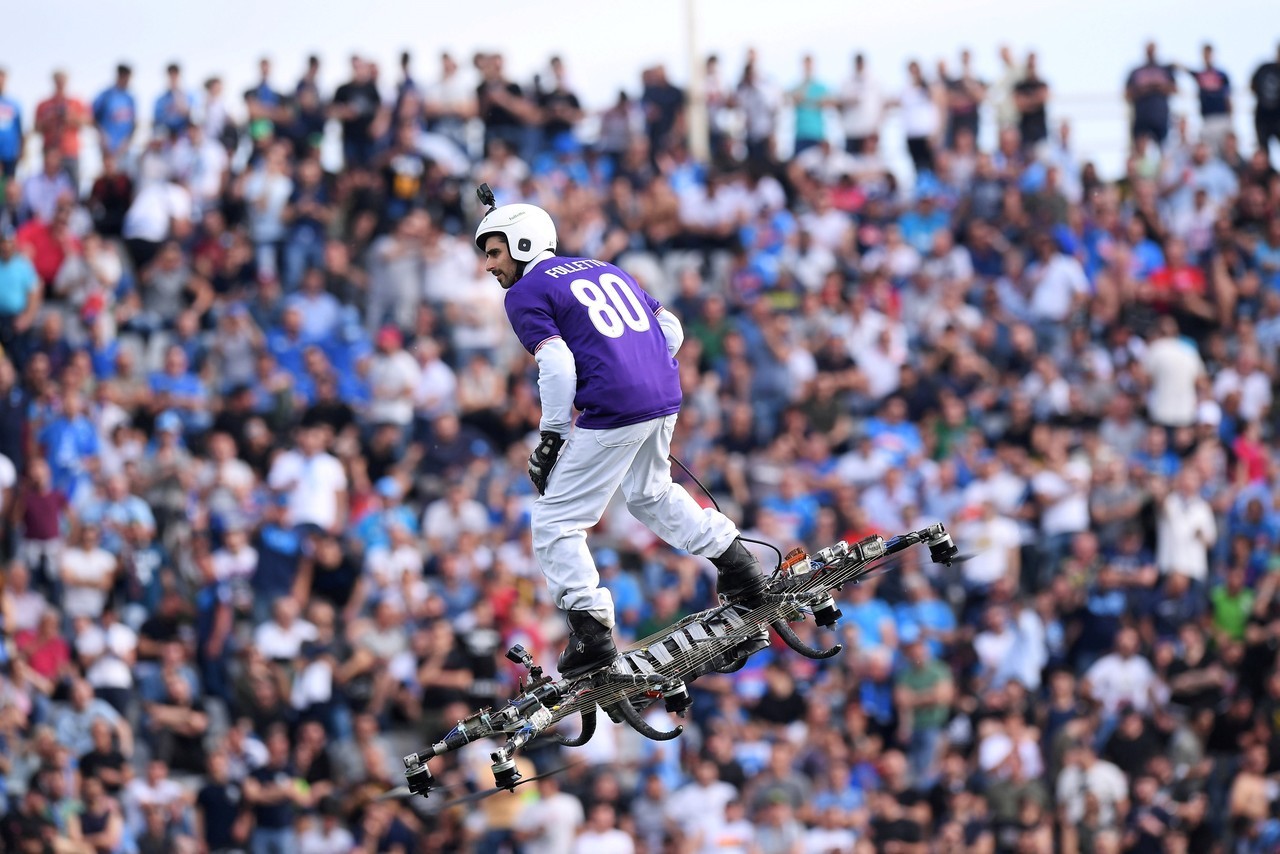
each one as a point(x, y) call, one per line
point(606, 346)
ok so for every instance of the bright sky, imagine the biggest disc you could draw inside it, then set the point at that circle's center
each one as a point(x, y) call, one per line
point(1085, 46)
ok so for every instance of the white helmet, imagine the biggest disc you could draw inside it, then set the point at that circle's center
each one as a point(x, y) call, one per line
point(528, 229)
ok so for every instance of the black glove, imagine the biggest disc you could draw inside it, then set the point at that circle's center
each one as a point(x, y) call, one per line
point(543, 459)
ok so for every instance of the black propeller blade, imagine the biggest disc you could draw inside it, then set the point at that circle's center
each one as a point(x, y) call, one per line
point(480, 796)
point(402, 792)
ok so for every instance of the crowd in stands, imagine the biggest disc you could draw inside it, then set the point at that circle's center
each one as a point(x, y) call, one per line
point(263, 433)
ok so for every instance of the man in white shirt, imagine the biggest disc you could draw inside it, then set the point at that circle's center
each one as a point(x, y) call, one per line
point(450, 102)
point(1085, 774)
point(161, 209)
point(1062, 489)
point(437, 383)
point(393, 379)
point(1122, 677)
point(830, 834)
point(701, 801)
point(1246, 379)
point(996, 545)
point(1172, 366)
point(1057, 282)
point(314, 482)
point(452, 515)
point(202, 163)
point(863, 105)
point(88, 572)
point(994, 643)
point(28, 605)
point(282, 637)
point(1186, 529)
point(8, 478)
point(107, 652)
point(549, 824)
point(602, 835)
point(326, 835)
point(156, 789)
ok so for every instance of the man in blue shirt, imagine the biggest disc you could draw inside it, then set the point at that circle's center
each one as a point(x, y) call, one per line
point(181, 391)
point(926, 613)
point(115, 511)
point(894, 438)
point(264, 103)
point(71, 447)
point(628, 601)
point(11, 138)
point(372, 531)
point(115, 114)
point(810, 97)
point(20, 296)
point(173, 108)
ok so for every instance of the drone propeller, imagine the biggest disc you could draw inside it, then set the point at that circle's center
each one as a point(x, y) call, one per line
point(402, 792)
point(480, 796)
point(395, 794)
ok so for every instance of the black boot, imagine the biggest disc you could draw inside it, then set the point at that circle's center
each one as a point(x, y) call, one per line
point(738, 575)
point(590, 646)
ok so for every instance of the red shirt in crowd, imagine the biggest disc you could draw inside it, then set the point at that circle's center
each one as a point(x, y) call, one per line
point(59, 119)
point(47, 656)
point(1170, 283)
point(46, 248)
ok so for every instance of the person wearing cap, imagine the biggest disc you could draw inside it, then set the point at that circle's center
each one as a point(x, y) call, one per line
point(373, 530)
point(393, 378)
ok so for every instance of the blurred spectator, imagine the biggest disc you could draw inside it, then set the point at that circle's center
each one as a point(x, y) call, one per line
point(1266, 112)
point(20, 294)
point(1187, 529)
point(58, 120)
point(1148, 90)
point(1215, 93)
point(12, 135)
point(919, 117)
point(810, 98)
point(1031, 97)
point(115, 114)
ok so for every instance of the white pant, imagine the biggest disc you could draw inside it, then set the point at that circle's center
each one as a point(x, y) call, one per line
point(591, 467)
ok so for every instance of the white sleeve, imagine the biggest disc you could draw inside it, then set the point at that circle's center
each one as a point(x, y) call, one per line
point(671, 328)
point(557, 386)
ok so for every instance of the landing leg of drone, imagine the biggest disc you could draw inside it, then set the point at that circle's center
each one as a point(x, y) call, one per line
point(588, 730)
point(631, 717)
point(790, 638)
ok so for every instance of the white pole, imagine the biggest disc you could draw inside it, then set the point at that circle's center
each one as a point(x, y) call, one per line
point(699, 144)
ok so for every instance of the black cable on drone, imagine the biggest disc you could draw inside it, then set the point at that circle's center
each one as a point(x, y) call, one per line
point(716, 505)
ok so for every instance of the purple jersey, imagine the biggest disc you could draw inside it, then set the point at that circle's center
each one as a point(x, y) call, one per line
point(625, 374)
